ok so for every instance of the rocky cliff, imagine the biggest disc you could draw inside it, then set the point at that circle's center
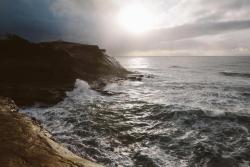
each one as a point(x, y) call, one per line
point(43, 72)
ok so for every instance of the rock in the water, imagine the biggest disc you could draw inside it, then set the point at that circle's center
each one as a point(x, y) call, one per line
point(42, 72)
point(222, 162)
point(135, 77)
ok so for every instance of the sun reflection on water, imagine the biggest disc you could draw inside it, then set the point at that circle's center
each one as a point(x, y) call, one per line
point(138, 62)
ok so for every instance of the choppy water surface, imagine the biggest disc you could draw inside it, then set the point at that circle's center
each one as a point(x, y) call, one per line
point(192, 111)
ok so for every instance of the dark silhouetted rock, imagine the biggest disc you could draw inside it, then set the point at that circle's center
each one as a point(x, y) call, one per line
point(42, 72)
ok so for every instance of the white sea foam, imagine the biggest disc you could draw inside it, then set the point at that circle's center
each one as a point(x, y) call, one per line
point(181, 114)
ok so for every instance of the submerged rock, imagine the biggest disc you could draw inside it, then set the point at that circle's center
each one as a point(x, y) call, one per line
point(135, 77)
point(222, 162)
point(23, 143)
point(43, 72)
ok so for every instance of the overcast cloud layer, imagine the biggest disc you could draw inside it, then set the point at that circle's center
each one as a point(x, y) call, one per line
point(182, 27)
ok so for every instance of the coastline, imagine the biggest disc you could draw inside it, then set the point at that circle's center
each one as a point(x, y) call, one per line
point(24, 143)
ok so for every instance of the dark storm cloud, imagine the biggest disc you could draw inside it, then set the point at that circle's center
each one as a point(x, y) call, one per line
point(75, 20)
point(32, 19)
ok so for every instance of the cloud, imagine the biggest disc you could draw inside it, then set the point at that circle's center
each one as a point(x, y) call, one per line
point(181, 24)
point(32, 19)
point(180, 20)
point(157, 38)
point(201, 29)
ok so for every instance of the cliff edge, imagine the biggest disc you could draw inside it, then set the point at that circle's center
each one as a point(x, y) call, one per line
point(43, 72)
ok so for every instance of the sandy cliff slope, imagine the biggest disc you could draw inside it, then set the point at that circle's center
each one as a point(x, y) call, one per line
point(23, 143)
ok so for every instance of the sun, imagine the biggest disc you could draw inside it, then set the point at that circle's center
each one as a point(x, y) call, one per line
point(136, 19)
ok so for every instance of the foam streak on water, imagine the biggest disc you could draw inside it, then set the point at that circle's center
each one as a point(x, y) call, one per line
point(194, 111)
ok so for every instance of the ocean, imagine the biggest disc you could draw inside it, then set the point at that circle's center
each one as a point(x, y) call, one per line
point(186, 112)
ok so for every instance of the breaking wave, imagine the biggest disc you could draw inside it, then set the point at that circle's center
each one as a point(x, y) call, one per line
point(137, 133)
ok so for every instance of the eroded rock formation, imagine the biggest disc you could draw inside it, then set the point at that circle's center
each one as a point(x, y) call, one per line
point(43, 72)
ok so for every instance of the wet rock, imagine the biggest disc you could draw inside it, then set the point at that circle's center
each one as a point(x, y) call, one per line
point(138, 77)
point(23, 143)
point(222, 162)
point(135, 77)
point(208, 156)
point(143, 160)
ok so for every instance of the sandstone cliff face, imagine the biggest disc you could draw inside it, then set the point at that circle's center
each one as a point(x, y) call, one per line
point(23, 143)
point(42, 72)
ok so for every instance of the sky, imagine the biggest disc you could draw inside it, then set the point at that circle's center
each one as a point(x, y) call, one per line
point(135, 27)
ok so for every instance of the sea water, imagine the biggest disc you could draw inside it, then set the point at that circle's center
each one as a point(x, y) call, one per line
point(186, 111)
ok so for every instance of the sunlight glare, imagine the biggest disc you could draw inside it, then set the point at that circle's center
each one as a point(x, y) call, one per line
point(136, 19)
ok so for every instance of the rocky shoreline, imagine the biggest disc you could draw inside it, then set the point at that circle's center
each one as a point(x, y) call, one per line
point(24, 143)
point(41, 73)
